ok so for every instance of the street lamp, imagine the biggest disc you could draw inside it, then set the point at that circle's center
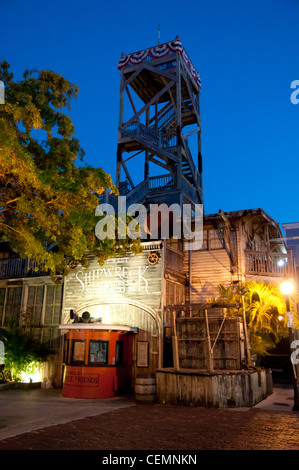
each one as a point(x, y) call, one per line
point(287, 287)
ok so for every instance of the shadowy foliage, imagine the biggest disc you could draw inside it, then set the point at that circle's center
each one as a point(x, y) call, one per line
point(264, 304)
point(22, 354)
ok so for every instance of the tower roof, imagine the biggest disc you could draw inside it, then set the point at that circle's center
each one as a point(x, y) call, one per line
point(157, 52)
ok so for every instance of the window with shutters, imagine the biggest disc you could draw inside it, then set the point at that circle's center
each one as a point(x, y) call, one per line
point(13, 304)
point(42, 311)
point(53, 305)
point(175, 293)
point(35, 304)
point(52, 313)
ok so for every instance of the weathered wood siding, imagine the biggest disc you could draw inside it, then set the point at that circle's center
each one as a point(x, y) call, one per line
point(131, 277)
point(124, 291)
point(224, 389)
point(174, 260)
point(208, 268)
point(175, 293)
point(175, 290)
point(228, 350)
point(205, 269)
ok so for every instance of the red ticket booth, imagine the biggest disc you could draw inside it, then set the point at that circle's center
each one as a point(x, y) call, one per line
point(97, 360)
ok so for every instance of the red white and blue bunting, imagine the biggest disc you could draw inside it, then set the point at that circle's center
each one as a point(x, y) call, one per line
point(160, 51)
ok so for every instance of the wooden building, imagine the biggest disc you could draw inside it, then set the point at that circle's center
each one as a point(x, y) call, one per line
point(238, 247)
point(106, 326)
point(127, 292)
point(145, 292)
point(29, 296)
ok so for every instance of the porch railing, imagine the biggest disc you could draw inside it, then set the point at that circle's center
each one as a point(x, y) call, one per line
point(11, 268)
point(266, 263)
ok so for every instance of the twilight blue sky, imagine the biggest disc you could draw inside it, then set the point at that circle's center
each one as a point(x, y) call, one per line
point(245, 51)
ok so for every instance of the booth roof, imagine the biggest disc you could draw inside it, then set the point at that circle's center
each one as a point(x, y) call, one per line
point(97, 326)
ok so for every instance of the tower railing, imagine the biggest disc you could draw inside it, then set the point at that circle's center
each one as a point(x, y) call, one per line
point(189, 156)
point(137, 193)
point(137, 129)
point(153, 184)
point(166, 118)
point(188, 189)
point(163, 182)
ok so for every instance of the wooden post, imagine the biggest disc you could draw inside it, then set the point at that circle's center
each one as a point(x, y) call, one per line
point(199, 154)
point(246, 333)
point(175, 350)
point(209, 352)
point(190, 280)
point(120, 122)
point(146, 161)
point(179, 120)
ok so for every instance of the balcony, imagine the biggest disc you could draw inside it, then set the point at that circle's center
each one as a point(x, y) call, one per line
point(150, 135)
point(154, 184)
point(11, 268)
point(268, 264)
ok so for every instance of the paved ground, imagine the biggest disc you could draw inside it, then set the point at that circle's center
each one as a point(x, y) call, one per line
point(22, 411)
point(120, 424)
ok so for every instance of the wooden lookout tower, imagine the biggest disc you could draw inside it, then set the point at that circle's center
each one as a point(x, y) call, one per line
point(158, 113)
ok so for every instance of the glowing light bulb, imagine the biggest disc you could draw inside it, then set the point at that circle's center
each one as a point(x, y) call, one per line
point(287, 287)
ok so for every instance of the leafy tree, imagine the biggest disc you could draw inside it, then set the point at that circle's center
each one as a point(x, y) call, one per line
point(46, 199)
point(264, 304)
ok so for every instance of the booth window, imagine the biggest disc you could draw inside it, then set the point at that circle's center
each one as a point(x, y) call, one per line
point(98, 352)
point(78, 351)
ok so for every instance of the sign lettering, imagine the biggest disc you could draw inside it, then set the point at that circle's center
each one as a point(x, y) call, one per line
point(113, 279)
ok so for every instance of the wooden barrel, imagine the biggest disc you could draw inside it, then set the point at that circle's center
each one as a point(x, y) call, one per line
point(145, 389)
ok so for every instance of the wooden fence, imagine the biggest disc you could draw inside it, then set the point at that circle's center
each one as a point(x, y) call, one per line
point(210, 343)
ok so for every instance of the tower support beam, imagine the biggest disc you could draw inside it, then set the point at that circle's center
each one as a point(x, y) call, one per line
point(164, 80)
